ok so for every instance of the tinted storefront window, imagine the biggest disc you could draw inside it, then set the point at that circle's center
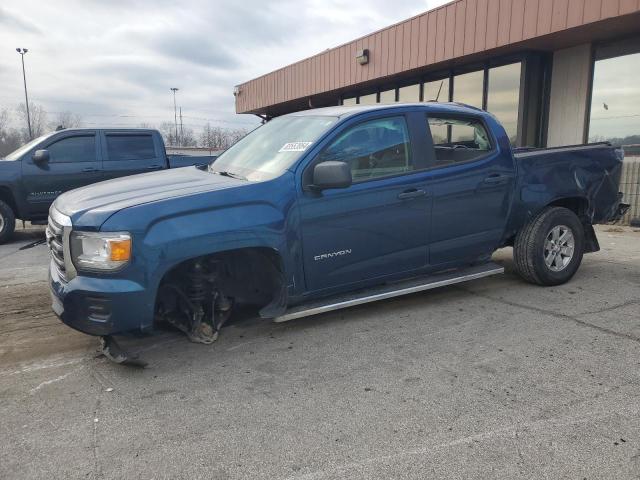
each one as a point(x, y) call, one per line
point(438, 89)
point(615, 103)
point(410, 94)
point(388, 96)
point(503, 96)
point(467, 88)
point(368, 99)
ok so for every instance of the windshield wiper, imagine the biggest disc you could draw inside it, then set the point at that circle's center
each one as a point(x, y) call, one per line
point(229, 174)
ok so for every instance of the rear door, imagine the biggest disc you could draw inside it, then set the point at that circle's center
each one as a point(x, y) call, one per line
point(128, 153)
point(471, 180)
point(74, 162)
point(379, 225)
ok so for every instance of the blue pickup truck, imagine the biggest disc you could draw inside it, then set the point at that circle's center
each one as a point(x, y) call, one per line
point(325, 209)
point(35, 174)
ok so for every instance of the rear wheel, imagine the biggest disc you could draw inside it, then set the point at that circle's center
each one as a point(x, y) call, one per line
point(7, 222)
point(548, 250)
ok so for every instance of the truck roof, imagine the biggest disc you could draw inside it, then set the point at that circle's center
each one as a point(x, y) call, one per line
point(350, 110)
point(107, 129)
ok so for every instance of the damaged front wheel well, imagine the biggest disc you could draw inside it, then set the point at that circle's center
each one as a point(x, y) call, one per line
point(198, 294)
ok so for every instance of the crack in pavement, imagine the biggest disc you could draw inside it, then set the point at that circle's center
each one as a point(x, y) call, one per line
point(563, 316)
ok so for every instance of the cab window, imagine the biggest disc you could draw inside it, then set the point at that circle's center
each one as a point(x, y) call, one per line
point(458, 140)
point(373, 149)
point(73, 149)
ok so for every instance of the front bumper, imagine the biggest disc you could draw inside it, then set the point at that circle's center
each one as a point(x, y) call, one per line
point(101, 306)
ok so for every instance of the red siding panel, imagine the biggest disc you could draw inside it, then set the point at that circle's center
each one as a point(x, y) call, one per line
point(376, 55)
point(493, 12)
point(441, 22)
point(432, 27)
point(592, 9)
point(610, 8)
point(406, 45)
point(504, 22)
point(559, 15)
point(545, 10)
point(460, 31)
point(415, 38)
point(530, 19)
point(517, 21)
point(470, 27)
point(423, 39)
point(628, 6)
point(398, 33)
point(575, 13)
point(450, 30)
point(481, 26)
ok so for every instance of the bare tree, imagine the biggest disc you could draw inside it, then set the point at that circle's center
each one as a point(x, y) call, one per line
point(9, 137)
point(67, 119)
point(217, 138)
point(39, 124)
point(168, 131)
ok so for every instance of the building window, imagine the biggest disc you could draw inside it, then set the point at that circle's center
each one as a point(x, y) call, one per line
point(467, 88)
point(410, 94)
point(503, 96)
point(437, 90)
point(388, 96)
point(349, 101)
point(615, 111)
point(368, 99)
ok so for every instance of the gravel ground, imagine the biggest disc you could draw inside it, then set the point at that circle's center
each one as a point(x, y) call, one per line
point(490, 379)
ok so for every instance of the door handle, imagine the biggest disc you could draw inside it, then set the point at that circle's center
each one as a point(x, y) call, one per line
point(90, 169)
point(496, 178)
point(412, 194)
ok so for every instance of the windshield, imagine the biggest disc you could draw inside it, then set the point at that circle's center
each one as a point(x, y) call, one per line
point(15, 155)
point(272, 148)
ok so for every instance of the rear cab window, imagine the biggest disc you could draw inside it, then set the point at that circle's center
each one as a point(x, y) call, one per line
point(130, 147)
point(458, 139)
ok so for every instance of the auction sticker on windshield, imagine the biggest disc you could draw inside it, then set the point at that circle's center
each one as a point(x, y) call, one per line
point(295, 147)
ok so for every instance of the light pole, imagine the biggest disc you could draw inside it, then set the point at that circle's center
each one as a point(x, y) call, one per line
point(22, 52)
point(175, 111)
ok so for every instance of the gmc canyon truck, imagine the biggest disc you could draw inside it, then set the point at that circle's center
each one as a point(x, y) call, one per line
point(35, 174)
point(321, 210)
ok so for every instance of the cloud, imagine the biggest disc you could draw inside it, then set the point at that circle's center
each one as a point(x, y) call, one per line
point(114, 62)
point(15, 22)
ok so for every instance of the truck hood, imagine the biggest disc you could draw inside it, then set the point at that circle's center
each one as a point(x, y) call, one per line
point(91, 206)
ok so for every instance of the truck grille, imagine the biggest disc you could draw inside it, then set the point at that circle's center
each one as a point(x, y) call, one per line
point(55, 241)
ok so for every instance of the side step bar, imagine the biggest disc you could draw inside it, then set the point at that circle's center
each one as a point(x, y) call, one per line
point(390, 290)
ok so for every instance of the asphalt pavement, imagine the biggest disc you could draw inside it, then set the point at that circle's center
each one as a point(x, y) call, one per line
point(490, 379)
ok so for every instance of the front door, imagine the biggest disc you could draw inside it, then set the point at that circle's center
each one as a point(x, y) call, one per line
point(73, 163)
point(376, 227)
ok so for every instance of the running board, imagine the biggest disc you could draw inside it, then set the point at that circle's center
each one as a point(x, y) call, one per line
point(390, 290)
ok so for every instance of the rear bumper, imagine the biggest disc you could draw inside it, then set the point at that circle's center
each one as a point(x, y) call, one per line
point(101, 306)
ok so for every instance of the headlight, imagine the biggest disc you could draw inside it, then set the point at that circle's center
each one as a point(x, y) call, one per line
point(100, 250)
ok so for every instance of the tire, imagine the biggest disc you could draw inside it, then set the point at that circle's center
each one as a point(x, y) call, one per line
point(7, 222)
point(548, 250)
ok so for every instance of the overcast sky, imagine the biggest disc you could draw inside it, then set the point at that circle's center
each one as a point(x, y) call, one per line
point(113, 61)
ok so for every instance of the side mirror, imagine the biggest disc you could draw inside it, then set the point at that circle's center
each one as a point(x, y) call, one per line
point(40, 157)
point(331, 175)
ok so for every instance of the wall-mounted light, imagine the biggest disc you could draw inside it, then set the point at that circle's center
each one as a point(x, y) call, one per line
point(236, 91)
point(362, 56)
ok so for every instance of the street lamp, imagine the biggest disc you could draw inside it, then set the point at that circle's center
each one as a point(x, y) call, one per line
point(22, 52)
point(175, 111)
